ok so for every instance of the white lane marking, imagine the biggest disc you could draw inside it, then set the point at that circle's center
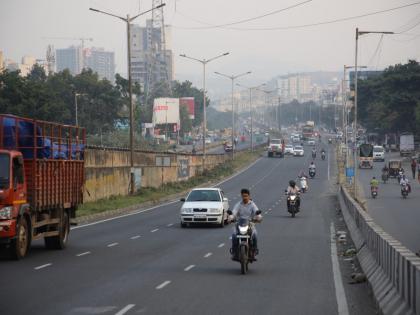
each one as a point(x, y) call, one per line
point(340, 294)
point(43, 266)
point(328, 169)
point(153, 231)
point(160, 205)
point(125, 309)
point(112, 244)
point(266, 212)
point(170, 224)
point(207, 255)
point(189, 268)
point(221, 245)
point(83, 254)
point(162, 285)
point(135, 237)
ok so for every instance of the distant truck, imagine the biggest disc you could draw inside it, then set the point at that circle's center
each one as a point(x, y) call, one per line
point(276, 148)
point(406, 144)
point(41, 182)
point(308, 130)
point(366, 155)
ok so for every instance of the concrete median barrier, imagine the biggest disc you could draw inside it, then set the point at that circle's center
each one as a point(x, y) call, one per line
point(392, 270)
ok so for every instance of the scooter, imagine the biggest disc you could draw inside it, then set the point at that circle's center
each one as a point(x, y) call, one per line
point(245, 253)
point(303, 184)
point(293, 207)
point(385, 177)
point(404, 190)
point(374, 191)
point(323, 155)
point(312, 173)
point(313, 155)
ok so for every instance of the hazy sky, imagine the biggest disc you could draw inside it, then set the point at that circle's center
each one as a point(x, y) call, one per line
point(23, 23)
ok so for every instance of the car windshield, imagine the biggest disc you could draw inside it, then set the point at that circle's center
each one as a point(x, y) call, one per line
point(378, 149)
point(298, 148)
point(289, 146)
point(204, 195)
point(4, 170)
point(275, 141)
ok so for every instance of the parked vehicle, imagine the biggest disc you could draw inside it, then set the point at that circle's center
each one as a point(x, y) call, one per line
point(275, 148)
point(204, 205)
point(41, 180)
point(378, 153)
point(406, 144)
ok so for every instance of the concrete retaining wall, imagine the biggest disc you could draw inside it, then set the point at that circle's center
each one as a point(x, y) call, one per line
point(108, 170)
point(392, 270)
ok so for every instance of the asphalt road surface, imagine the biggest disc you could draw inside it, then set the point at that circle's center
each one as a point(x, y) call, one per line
point(145, 263)
point(397, 216)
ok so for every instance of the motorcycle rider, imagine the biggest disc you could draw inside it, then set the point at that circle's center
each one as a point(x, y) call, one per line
point(249, 210)
point(404, 181)
point(293, 189)
point(313, 153)
point(374, 183)
point(312, 167)
point(323, 153)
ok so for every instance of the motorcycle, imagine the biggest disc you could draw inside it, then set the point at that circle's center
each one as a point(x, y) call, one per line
point(303, 184)
point(293, 207)
point(404, 190)
point(313, 155)
point(374, 191)
point(312, 173)
point(399, 176)
point(245, 252)
point(385, 177)
point(329, 140)
point(323, 155)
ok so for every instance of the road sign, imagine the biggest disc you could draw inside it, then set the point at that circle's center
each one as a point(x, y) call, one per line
point(350, 171)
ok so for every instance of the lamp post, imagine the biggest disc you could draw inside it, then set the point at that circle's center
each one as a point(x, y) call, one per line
point(128, 21)
point(250, 109)
point(358, 33)
point(267, 93)
point(76, 107)
point(204, 62)
point(233, 78)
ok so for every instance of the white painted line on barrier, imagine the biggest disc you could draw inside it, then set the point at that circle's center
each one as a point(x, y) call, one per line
point(125, 309)
point(164, 284)
point(189, 268)
point(135, 237)
point(340, 294)
point(161, 205)
point(43, 266)
point(153, 231)
point(207, 255)
point(112, 244)
point(221, 245)
point(83, 254)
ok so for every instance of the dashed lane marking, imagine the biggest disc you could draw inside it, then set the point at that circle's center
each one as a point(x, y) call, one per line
point(42, 266)
point(221, 245)
point(112, 244)
point(83, 254)
point(162, 285)
point(189, 268)
point(135, 237)
point(125, 309)
point(170, 224)
point(207, 255)
point(153, 231)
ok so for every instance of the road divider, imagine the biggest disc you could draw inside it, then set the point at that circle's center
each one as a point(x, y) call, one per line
point(392, 270)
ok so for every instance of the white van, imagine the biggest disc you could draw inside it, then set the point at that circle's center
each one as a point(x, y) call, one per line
point(378, 153)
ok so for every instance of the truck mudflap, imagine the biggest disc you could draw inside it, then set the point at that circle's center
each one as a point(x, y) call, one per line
point(7, 229)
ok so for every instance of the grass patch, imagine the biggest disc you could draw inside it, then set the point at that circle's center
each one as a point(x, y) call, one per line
point(154, 194)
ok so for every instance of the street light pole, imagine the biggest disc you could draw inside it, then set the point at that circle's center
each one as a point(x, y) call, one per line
point(128, 20)
point(204, 62)
point(233, 78)
point(358, 33)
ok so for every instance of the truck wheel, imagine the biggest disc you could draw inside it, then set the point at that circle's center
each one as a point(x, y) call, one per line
point(59, 241)
point(20, 244)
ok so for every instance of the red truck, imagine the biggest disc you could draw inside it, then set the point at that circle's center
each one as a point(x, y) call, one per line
point(41, 182)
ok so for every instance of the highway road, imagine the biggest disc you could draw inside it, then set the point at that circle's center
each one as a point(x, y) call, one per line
point(397, 216)
point(145, 263)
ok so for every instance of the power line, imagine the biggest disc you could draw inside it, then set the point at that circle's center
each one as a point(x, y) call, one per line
point(349, 18)
point(209, 25)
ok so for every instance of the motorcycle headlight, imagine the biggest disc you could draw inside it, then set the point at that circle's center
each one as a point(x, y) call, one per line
point(6, 213)
point(243, 229)
point(215, 210)
point(187, 210)
point(292, 198)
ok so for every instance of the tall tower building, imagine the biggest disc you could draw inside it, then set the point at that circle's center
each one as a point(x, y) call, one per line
point(70, 58)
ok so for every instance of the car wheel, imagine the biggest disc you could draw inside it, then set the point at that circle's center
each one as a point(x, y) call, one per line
point(222, 222)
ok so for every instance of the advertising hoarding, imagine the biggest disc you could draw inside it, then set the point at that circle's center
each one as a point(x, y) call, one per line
point(166, 111)
point(189, 103)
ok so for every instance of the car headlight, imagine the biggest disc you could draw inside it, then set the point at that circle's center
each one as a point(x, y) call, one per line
point(6, 213)
point(187, 210)
point(215, 210)
point(243, 229)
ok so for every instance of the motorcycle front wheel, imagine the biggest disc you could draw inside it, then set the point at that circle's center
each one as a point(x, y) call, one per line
point(243, 259)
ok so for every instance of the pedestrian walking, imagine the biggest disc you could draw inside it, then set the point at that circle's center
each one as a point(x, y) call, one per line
point(413, 167)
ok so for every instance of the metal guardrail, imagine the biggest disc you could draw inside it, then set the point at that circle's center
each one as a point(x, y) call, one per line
point(392, 270)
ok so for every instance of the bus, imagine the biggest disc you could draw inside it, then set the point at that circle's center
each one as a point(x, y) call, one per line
point(366, 155)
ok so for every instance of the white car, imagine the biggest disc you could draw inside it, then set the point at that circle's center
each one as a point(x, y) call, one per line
point(288, 149)
point(205, 205)
point(311, 141)
point(298, 151)
point(378, 153)
point(208, 140)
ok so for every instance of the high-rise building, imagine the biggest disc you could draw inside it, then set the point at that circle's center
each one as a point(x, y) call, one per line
point(70, 58)
point(150, 61)
point(101, 62)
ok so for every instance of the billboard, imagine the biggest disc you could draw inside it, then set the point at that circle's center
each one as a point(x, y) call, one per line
point(166, 111)
point(189, 103)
